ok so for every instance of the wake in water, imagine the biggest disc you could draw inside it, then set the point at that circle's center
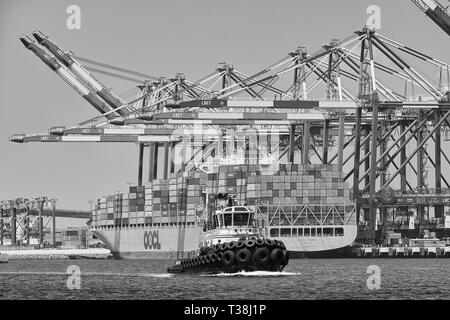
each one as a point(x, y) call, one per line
point(254, 274)
point(157, 275)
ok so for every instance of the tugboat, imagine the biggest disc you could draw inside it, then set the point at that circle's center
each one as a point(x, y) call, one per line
point(233, 245)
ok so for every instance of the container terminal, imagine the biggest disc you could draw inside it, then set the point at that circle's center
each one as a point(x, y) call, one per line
point(336, 152)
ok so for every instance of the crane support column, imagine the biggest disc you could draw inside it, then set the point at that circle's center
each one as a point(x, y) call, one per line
point(219, 149)
point(183, 157)
point(155, 160)
point(1, 226)
point(382, 132)
point(420, 209)
point(326, 127)
point(13, 226)
point(172, 158)
point(402, 157)
point(365, 133)
point(291, 143)
point(340, 151)
point(356, 157)
point(41, 224)
point(438, 209)
point(166, 160)
point(54, 223)
point(305, 147)
point(373, 163)
point(27, 226)
point(151, 161)
point(140, 166)
point(231, 146)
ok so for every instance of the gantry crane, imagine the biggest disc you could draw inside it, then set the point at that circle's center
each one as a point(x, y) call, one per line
point(343, 91)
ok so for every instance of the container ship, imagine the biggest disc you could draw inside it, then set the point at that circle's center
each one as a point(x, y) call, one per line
point(308, 207)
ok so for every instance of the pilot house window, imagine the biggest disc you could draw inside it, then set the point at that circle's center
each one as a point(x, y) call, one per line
point(274, 232)
point(240, 219)
point(285, 232)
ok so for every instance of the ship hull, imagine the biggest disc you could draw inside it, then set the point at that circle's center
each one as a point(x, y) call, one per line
point(177, 243)
point(150, 243)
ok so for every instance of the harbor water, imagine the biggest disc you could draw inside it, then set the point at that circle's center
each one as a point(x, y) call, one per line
point(301, 279)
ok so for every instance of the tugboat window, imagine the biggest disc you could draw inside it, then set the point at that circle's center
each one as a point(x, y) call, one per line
point(339, 232)
point(240, 218)
point(274, 232)
point(307, 232)
point(227, 219)
point(285, 232)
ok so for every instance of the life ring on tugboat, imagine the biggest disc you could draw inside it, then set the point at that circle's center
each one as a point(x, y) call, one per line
point(276, 256)
point(261, 256)
point(281, 244)
point(231, 245)
point(228, 258)
point(250, 243)
point(260, 242)
point(240, 244)
point(269, 242)
point(202, 251)
point(223, 247)
point(243, 256)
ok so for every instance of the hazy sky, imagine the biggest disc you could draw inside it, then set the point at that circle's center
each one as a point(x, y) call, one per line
point(157, 38)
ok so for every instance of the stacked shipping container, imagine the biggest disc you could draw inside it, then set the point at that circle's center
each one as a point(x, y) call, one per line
point(163, 201)
point(182, 197)
point(289, 184)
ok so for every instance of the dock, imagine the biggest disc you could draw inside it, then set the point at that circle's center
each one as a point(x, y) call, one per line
point(400, 252)
point(56, 254)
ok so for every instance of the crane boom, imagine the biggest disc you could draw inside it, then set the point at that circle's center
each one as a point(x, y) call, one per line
point(81, 73)
point(66, 75)
point(436, 12)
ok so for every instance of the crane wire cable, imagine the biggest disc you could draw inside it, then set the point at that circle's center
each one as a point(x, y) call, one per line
point(115, 75)
point(101, 64)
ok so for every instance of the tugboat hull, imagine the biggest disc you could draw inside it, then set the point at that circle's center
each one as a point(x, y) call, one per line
point(236, 256)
